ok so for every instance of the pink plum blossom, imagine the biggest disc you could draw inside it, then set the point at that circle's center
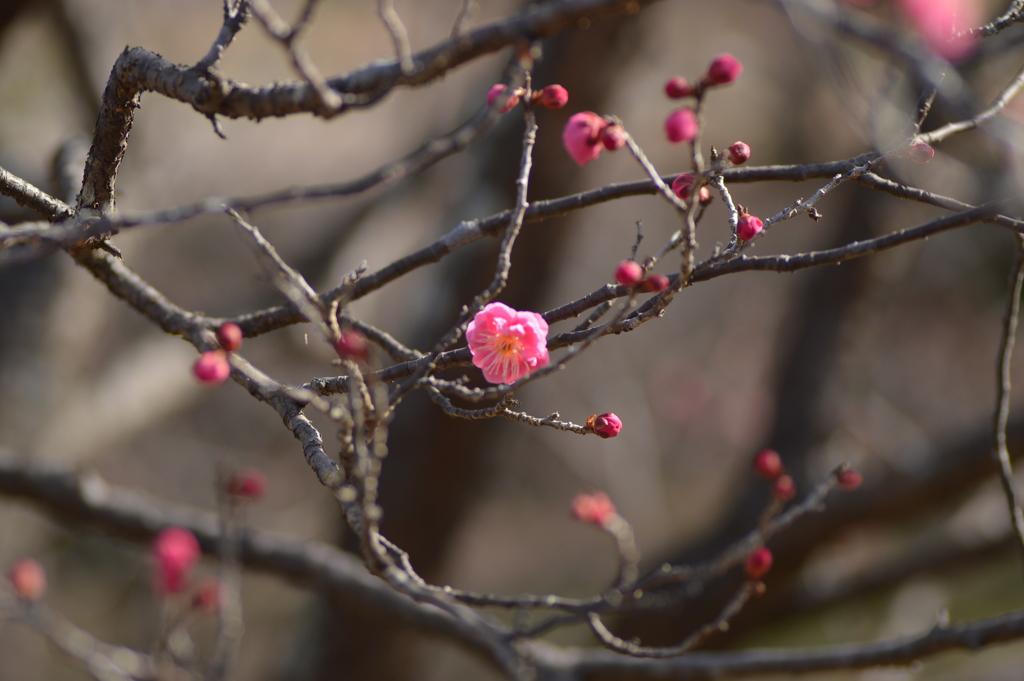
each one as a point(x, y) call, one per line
point(507, 344)
point(940, 22)
point(581, 136)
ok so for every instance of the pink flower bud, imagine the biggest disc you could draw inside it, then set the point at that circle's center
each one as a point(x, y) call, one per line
point(920, 152)
point(352, 345)
point(207, 597)
point(681, 187)
point(724, 69)
point(850, 480)
point(784, 488)
point(230, 337)
point(212, 367)
point(552, 97)
point(759, 562)
point(768, 464)
point(176, 550)
point(28, 579)
point(677, 88)
point(596, 509)
point(495, 93)
point(739, 153)
point(614, 138)
point(654, 282)
point(748, 227)
point(606, 425)
point(629, 272)
point(681, 126)
point(581, 136)
point(249, 484)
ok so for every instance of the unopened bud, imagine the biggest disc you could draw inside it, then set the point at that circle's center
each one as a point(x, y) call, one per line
point(677, 88)
point(606, 425)
point(230, 337)
point(654, 282)
point(352, 345)
point(758, 563)
point(28, 579)
point(724, 69)
point(768, 464)
point(613, 138)
point(748, 227)
point(629, 273)
point(784, 488)
point(212, 367)
point(249, 484)
point(596, 508)
point(552, 97)
point(850, 480)
point(739, 153)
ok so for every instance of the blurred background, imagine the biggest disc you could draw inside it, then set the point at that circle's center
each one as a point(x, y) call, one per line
point(887, 362)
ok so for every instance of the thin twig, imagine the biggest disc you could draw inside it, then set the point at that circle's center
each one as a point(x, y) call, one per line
point(719, 625)
point(1003, 385)
point(399, 36)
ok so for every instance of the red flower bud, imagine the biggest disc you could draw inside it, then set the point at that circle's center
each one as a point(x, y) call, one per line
point(748, 227)
point(758, 563)
point(352, 345)
point(613, 138)
point(212, 367)
point(596, 508)
point(249, 484)
point(176, 550)
point(681, 126)
point(677, 88)
point(629, 273)
point(28, 579)
point(724, 69)
point(606, 425)
point(654, 283)
point(230, 337)
point(850, 480)
point(681, 187)
point(920, 152)
point(582, 135)
point(207, 597)
point(784, 488)
point(768, 464)
point(552, 97)
point(739, 153)
point(496, 91)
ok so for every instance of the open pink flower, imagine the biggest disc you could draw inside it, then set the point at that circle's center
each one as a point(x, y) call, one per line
point(507, 344)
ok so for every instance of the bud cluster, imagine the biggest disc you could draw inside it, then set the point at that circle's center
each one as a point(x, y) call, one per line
point(549, 97)
point(212, 367)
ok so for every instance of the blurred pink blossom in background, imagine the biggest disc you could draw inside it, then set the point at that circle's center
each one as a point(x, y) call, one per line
point(940, 22)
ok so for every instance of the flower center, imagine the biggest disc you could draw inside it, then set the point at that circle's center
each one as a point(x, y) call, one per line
point(509, 345)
